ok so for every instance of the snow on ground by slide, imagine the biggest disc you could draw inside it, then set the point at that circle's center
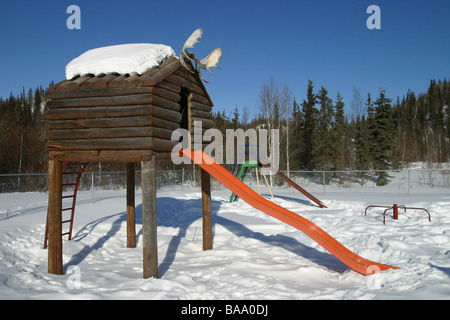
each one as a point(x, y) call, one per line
point(254, 256)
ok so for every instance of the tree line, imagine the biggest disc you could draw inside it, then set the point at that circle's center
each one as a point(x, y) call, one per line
point(315, 132)
point(22, 147)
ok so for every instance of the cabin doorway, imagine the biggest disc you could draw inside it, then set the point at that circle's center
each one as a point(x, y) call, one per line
point(184, 108)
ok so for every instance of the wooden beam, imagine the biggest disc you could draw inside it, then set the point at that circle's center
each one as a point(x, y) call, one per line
point(200, 106)
point(98, 82)
point(192, 78)
point(207, 211)
point(97, 133)
point(149, 224)
point(162, 145)
point(139, 143)
point(56, 85)
point(115, 83)
point(165, 103)
point(200, 114)
point(169, 86)
point(91, 93)
point(130, 81)
point(98, 112)
point(206, 123)
point(167, 94)
point(133, 99)
point(55, 244)
point(178, 80)
point(112, 123)
point(123, 156)
point(113, 112)
point(162, 73)
point(131, 216)
point(73, 84)
point(200, 99)
point(133, 143)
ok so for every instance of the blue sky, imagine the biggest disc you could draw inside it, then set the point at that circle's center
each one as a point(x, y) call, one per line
point(292, 41)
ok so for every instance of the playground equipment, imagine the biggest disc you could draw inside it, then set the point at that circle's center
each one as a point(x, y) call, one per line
point(69, 171)
point(395, 208)
point(355, 262)
point(127, 118)
point(296, 186)
point(240, 171)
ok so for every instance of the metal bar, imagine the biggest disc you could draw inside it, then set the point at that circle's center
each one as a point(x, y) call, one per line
point(395, 208)
point(429, 216)
point(372, 206)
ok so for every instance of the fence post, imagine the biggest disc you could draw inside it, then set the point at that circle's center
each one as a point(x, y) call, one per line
point(182, 178)
point(323, 181)
point(92, 187)
point(409, 181)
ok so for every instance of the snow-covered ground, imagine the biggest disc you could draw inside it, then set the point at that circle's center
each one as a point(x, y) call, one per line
point(254, 255)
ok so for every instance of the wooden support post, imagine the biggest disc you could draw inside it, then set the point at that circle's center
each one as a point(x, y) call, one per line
point(131, 217)
point(149, 224)
point(207, 211)
point(55, 244)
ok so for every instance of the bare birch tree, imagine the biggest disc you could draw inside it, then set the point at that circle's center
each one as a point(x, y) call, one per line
point(286, 101)
point(357, 104)
point(268, 99)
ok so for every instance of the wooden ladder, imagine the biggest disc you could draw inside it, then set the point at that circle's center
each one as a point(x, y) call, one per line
point(71, 175)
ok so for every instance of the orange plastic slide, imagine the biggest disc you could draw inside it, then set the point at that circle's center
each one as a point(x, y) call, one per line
point(352, 260)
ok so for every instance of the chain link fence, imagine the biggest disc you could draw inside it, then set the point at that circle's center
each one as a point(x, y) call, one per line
point(386, 181)
point(28, 193)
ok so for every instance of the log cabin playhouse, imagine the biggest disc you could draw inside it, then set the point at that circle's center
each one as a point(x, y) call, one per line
point(128, 119)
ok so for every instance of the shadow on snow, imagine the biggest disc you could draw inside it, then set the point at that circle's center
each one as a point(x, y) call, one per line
point(181, 213)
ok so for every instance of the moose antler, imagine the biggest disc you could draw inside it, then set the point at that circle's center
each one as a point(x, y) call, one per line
point(210, 61)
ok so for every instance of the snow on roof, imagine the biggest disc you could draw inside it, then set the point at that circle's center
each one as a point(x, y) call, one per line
point(135, 58)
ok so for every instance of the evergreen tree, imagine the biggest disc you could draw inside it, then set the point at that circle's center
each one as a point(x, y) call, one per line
point(235, 119)
point(323, 142)
point(36, 112)
point(339, 130)
point(23, 133)
point(276, 116)
point(221, 121)
point(362, 157)
point(383, 136)
point(296, 134)
point(308, 127)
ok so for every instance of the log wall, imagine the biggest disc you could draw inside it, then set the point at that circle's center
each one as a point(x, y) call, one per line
point(96, 115)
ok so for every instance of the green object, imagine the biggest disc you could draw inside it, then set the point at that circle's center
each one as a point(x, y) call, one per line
point(242, 171)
